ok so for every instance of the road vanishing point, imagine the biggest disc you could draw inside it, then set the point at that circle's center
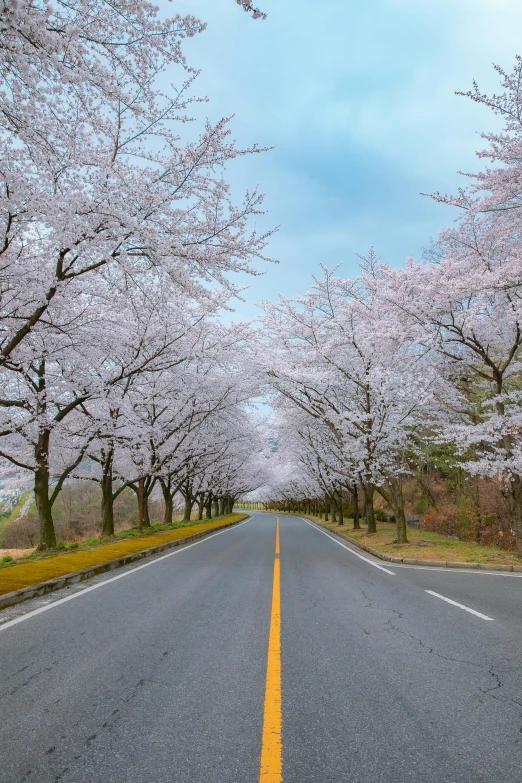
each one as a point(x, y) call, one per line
point(264, 653)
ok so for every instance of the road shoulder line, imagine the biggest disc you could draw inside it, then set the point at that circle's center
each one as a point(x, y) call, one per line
point(339, 541)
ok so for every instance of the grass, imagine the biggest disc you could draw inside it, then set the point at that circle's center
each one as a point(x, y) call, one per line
point(423, 544)
point(50, 566)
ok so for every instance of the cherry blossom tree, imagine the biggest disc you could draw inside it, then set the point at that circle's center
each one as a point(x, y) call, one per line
point(335, 356)
point(104, 207)
point(51, 405)
point(365, 371)
point(464, 305)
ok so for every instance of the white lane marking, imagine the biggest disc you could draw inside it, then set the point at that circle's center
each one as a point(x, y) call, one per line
point(344, 546)
point(458, 570)
point(461, 606)
point(177, 551)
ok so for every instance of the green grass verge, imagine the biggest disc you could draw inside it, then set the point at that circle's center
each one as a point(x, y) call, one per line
point(51, 566)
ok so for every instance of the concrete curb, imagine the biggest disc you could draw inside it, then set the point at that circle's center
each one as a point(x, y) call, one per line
point(16, 597)
point(413, 561)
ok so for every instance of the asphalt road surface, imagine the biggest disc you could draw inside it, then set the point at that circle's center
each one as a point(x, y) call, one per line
point(160, 674)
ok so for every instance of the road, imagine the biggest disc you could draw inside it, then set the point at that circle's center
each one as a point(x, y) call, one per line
point(160, 675)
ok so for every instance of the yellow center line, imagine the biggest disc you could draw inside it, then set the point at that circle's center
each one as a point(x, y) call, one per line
point(272, 747)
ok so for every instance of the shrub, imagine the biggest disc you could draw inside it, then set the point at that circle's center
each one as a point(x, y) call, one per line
point(422, 505)
point(60, 545)
point(347, 510)
point(7, 559)
point(22, 534)
point(73, 545)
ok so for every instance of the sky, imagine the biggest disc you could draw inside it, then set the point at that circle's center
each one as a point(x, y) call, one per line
point(358, 102)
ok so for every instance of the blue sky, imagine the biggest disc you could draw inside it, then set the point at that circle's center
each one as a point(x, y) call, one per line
point(358, 101)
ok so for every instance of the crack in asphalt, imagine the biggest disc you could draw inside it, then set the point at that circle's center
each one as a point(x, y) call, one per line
point(498, 685)
point(477, 666)
point(369, 601)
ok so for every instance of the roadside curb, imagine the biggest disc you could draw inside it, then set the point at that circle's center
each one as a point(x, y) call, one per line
point(414, 561)
point(17, 596)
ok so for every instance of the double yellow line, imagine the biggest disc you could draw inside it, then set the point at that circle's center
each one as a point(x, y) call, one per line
point(272, 746)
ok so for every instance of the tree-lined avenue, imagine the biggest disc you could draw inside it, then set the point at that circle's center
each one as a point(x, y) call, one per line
point(162, 675)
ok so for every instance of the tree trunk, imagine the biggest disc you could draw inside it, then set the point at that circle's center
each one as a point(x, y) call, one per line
point(41, 492)
point(141, 493)
point(516, 492)
point(326, 509)
point(107, 503)
point(167, 498)
point(477, 510)
point(368, 506)
point(355, 502)
point(146, 516)
point(215, 507)
point(208, 506)
point(188, 508)
point(201, 503)
point(221, 507)
point(341, 512)
point(398, 509)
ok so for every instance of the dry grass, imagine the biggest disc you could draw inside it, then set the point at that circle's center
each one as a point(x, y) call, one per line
point(15, 577)
point(15, 553)
point(425, 545)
